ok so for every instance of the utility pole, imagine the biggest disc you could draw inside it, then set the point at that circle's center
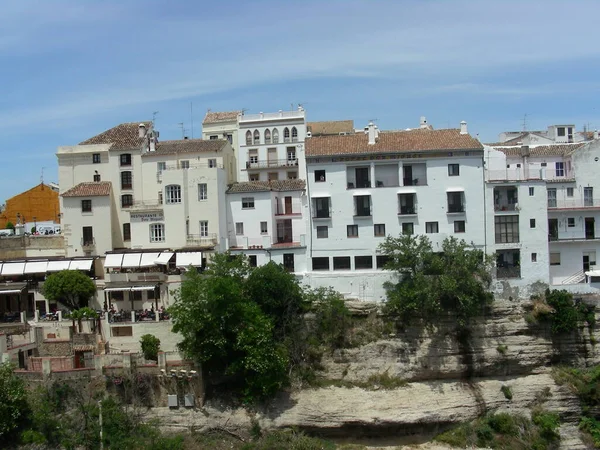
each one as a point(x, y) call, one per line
point(100, 420)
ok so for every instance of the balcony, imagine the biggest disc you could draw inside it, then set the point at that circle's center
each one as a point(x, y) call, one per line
point(196, 240)
point(573, 204)
point(456, 208)
point(508, 272)
point(525, 173)
point(272, 163)
point(288, 208)
point(407, 211)
point(146, 205)
point(88, 244)
point(121, 277)
point(414, 182)
point(272, 116)
point(505, 198)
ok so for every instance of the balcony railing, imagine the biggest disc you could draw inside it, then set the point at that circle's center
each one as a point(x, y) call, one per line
point(321, 214)
point(121, 277)
point(197, 240)
point(267, 116)
point(456, 208)
point(271, 163)
point(361, 185)
point(505, 207)
point(293, 209)
point(522, 174)
point(414, 182)
point(88, 242)
point(508, 272)
point(573, 204)
point(407, 210)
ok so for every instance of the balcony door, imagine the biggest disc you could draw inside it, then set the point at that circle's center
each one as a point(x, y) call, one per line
point(552, 229)
point(362, 177)
point(287, 201)
point(588, 196)
point(88, 235)
point(589, 260)
point(590, 228)
point(272, 157)
point(284, 231)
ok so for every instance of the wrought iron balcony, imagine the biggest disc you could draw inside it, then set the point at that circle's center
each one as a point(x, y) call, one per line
point(271, 163)
point(197, 240)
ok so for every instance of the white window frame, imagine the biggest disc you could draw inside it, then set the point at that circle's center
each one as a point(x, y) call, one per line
point(212, 163)
point(247, 202)
point(559, 168)
point(264, 227)
point(204, 228)
point(323, 230)
point(185, 164)
point(202, 191)
point(239, 228)
point(160, 166)
point(157, 232)
point(173, 194)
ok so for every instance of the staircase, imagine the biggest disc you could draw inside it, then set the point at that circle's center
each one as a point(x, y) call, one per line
point(577, 277)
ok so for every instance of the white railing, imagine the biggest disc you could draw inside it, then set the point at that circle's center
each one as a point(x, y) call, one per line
point(573, 204)
point(270, 116)
point(522, 174)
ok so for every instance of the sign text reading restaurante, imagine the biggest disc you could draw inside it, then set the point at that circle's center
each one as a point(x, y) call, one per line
point(147, 217)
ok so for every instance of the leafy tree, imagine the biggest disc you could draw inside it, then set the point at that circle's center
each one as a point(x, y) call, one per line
point(72, 288)
point(14, 409)
point(331, 316)
point(150, 346)
point(430, 284)
point(10, 225)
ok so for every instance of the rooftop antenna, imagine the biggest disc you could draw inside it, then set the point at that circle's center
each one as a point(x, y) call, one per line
point(244, 110)
point(154, 114)
point(182, 130)
point(192, 118)
point(525, 122)
point(42, 177)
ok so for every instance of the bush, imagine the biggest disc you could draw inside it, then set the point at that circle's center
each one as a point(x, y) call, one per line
point(10, 225)
point(591, 426)
point(150, 346)
point(502, 349)
point(547, 423)
point(507, 392)
point(332, 317)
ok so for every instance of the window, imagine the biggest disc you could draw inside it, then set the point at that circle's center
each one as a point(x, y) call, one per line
point(459, 226)
point(320, 263)
point(256, 137)
point(534, 257)
point(531, 191)
point(96, 158)
point(544, 164)
point(157, 232)
point(292, 175)
point(453, 170)
point(560, 169)
point(286, 134)
point(96, 177)
point(294, 134)
point(248, 137)
point(160, 166)
point(239, 228)
point(507, 229)
point(407, 203)
point(253, 177)
point(126, 200)
point(275, 136)
point(173, 194)
point(588, 196)
point(247, 202)
point(322, 206)
point(363, 262)
point(322, 232)
point(86, 206)
point(160, 197)
point(560, 131)
point(341, 263)
point(570, 222)
point(531, 223)
point(570, 192)
point(432, 227)
point(202, 191)
point(551, 197)
point(88, 235)
point(273, 176)
point(555, 259)
point(125, 159)
point(379, 229)
point(455, 202)
point(352, 231)
point(267, 136)
point(381, 261)
point(204, 228)
point(126, 232)
point(214, 137)
point(264, 229)
point(319, 175)
point(185, 164)
point(212, 163)
point(230, 138)
point(362, 205)
point(252, 260)
point(126, 180)
point(252, 158)
point(408, 228)
point(288, 262)
point(291, 155)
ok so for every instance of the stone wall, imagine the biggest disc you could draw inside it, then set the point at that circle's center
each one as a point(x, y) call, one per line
point(55, 348)
point(13, 247)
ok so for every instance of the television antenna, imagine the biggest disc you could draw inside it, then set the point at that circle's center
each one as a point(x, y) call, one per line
point(182, 130)
point(154, 114)
point(525, 122)
point(42, 177)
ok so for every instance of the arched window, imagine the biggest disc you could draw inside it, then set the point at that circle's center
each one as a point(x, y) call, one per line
point(173, 194)
point(248, 137)
point(286, 134)
point(275, 136)
point(256, 137)
point(126, 200)
point(267, 136)
point(294, 134)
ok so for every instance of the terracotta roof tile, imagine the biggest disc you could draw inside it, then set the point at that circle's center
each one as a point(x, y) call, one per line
point(333, 127)
point(122, 137)
point(264, 186)
point(542, 150)
point(216, 117)
point(89, 189)
point(187, 146)
point(392, 142)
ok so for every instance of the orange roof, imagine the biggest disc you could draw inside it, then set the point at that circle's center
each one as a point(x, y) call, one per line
point(89, 189)
point(417, 140)
point(122, 137)
point(542, 150)
point(216, 117)
point(331, 127)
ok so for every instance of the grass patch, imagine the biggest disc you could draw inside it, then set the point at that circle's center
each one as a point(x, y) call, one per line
point(507, 392)
point(219, 440)
point(505, 431)
point(374, 382)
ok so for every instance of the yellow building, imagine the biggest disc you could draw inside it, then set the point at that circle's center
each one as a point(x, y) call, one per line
point(40, 202)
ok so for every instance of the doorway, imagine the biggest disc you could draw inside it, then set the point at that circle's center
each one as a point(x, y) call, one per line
point(288, 205)
point(590, 228)
point(288, 262)
point(589, 260)
point(552, 229)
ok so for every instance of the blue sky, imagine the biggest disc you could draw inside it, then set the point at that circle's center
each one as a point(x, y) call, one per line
point(70, 69)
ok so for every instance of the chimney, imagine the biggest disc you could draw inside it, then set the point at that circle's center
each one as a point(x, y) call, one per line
point(423, 123)
point(142, 130)
point(152, 141)
point(373, 133)
point(463, 128)
point(595, 134)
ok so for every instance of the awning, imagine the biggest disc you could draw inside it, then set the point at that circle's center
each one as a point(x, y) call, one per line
point(188, 259)
point(114, 289)
point(36, 267)
point(143, 288)
point(148, 259)
point(455, 189)
point(407, 191)
point(11, 291)
point(131, 260)
point(81, 264)
point(164, 258)
point(57, 266)
point(320, 195)
point(113, 260)
point(16, 268)
point(360, 193)
point(593, 273)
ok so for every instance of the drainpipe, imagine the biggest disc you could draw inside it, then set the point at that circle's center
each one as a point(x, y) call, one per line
point(484, 205)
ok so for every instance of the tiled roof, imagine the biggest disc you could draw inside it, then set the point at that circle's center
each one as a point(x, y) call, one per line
point(187, 146)
point(216, 117)
point(542, 150)
point(122, 137)
point(399, 141)
point(263, 186)
point(89, 189)
point(330, 128)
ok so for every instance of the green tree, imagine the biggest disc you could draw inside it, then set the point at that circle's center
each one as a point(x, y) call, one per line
point(72, 288)
point(332, 318)
point(429, 285)
point(14, 409)
point(10, 225)
point(225, 330)
point(150, 346)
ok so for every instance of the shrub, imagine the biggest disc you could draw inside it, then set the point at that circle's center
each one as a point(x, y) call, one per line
point(150, 346)
point(591, 426)
point(502, 349)
point(10, 225)
point(547, 423)
point(507, 392)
